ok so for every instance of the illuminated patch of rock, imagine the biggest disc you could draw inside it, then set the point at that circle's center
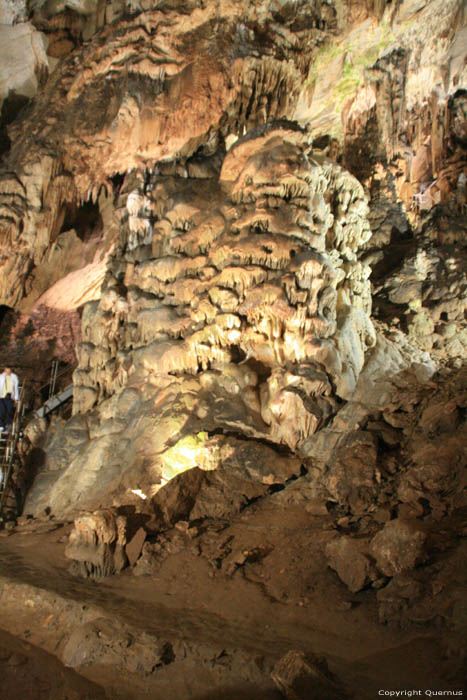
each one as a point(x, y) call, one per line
point(239, 307)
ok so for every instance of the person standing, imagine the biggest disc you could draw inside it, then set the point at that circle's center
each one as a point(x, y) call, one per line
point(9, 394)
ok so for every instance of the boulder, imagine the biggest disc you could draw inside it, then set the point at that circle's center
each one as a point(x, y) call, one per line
point(345, 556)
point(398, 547)
point(300, 677)
point(96, 544)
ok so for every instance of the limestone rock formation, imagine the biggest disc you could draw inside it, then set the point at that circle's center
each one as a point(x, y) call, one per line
point(240, 226)
point(146, 61)
point(96, 544)
point(23, 52)
point(250, 308)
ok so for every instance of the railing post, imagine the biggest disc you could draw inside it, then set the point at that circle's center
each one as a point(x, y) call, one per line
point(53, 378)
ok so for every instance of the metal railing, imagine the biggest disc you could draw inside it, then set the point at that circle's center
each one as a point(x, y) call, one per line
point(55, 374)
point(53, 378)
point(8, 456)
point(9, 440)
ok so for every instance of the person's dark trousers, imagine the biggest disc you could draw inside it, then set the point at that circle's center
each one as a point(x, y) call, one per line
point(7, 411)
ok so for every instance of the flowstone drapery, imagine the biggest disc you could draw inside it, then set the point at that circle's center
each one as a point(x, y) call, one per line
point(234, 305)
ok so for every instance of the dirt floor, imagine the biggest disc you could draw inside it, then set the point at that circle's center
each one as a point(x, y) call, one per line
point(29, 672)
point(207, 616)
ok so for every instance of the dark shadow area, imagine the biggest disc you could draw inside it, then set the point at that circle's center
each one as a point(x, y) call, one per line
point(33, 463)
point(244, 692)
point(6, 312)
point(401, 246)
point(362, 150)
point(117, 181)
point(86, 220)
point(30, 673)
point(134, 520)
point(13, 104)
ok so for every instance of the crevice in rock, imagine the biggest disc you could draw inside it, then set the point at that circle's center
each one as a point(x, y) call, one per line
point(86, 220)
point(280, 449)
point(14, 107)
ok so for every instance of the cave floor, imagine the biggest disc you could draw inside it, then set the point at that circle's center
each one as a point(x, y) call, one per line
point(232, 621)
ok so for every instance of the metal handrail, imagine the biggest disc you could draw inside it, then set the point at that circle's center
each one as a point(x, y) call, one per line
point(53, 378)
point(8, 445)
point(57, 375)
point(9, 450)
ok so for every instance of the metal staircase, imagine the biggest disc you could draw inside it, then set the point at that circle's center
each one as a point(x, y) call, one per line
point(9, 457)
point(55, 401)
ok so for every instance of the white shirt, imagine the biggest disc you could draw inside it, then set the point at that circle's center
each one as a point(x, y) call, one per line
point(9, 384)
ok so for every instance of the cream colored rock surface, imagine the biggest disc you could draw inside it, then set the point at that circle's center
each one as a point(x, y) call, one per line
point(432, 33)
point(231, 288)
point(168, 53)
point(13, 11)
point(279, 285)
point(22, 57)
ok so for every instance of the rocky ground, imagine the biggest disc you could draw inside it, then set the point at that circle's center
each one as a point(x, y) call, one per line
point(29, 672)
point(209, 608)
